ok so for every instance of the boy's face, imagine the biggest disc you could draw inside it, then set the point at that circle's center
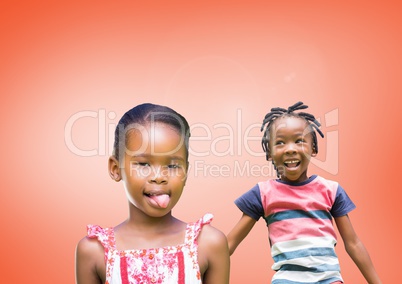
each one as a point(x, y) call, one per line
point(291, 147)
point(155, 169)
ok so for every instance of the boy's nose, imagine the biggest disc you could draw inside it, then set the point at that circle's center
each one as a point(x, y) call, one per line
point(290, 149)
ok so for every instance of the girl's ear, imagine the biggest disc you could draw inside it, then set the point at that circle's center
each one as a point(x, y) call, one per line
point(114, 169)
point(185, 178)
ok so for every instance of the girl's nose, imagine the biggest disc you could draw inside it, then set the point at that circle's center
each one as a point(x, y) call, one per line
point(158, 175)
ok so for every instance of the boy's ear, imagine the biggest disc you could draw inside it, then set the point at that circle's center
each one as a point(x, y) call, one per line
point(314, 152)
point(114, 169)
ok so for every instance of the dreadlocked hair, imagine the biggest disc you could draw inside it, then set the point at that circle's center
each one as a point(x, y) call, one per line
point(278, 112)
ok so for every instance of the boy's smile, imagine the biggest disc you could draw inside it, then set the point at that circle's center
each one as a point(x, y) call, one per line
point(291, 148)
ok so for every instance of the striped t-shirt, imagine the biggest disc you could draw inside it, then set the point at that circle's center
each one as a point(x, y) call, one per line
point(300, 225)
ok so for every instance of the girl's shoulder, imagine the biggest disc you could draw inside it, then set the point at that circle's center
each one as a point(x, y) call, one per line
point(105, 236)
point(213, 251)
point(210, 238)
point(90, 246)
point(90, 261)
point(94, 242)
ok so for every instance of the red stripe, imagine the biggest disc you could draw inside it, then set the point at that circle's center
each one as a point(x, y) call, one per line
point(123, 270)
point(293, 229)
point(180, 259)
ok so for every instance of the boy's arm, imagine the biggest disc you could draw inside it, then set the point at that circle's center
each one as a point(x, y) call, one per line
point(239, 232)
point(213, 246)
point(89, 256)
point(356, 250)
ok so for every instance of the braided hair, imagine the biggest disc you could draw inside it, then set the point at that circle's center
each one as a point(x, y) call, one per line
point(278, 112)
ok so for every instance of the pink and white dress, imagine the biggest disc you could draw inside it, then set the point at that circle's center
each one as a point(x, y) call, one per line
point(171, 264)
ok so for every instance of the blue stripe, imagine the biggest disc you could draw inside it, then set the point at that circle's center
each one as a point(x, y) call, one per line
point(320, 268)
point(316, 251)
point(326, 281)
point(292, 214)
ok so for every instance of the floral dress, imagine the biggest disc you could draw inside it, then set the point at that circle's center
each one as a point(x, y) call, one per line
point(171, 264)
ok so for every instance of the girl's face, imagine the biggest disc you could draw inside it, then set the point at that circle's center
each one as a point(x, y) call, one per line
point(291, 147)
point(155, 168)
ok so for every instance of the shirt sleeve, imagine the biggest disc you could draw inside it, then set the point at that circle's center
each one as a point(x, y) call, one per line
point(250, 203)
point(343, 204)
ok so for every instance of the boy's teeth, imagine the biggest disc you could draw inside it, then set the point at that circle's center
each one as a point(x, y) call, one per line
point(291, 162)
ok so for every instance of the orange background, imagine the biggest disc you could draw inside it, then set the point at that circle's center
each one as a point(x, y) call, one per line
point(217, 63)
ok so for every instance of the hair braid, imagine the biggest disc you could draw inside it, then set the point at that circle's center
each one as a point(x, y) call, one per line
point(278, 112)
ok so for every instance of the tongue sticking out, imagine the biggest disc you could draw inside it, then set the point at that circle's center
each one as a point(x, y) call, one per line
point(161, 200)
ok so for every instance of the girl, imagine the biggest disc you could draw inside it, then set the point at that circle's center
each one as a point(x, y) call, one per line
point(298, 209)
point(151, 159)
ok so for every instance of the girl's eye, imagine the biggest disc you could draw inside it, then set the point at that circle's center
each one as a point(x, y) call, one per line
point(300, 141)
point(174, 166)
point(279, 143)
point(142, 164)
